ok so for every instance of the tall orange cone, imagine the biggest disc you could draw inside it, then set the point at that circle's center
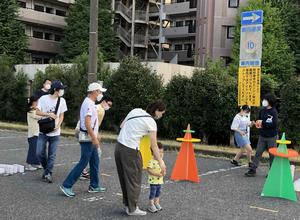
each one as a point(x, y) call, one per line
point(186, 167)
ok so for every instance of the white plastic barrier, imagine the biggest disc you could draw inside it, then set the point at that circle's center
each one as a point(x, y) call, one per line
point(297, 185)
point(7, 169)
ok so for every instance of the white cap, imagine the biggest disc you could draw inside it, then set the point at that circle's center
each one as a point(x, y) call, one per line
point(96, 86)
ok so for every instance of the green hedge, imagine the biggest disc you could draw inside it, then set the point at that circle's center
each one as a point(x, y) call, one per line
point(207, 100)
point(290, 110)
point(13, 93)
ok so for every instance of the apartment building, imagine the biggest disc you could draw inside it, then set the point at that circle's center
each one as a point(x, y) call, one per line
point(44, 22)
point(177, 31)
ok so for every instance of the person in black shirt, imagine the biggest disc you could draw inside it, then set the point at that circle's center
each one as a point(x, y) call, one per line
point(267, 124)
point(44, 90)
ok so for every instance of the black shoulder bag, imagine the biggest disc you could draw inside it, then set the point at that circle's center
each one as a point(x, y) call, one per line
point(47, 125)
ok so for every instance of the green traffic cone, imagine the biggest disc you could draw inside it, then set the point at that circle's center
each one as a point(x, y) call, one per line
point(279, 182)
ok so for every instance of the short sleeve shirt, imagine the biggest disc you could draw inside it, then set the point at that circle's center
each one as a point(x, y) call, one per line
point(47, 104)
point(88, 108)
point(134, 129)
point(154, 166)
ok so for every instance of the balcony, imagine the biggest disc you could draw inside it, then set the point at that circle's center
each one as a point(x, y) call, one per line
point(183, 55)
point(185, 31)
point(125, 12)
point(181, 7)
point(125, 36)
point(46, 46)
point(32, 16)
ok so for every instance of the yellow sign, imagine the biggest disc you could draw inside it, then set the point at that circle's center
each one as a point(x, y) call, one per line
point(249, 86)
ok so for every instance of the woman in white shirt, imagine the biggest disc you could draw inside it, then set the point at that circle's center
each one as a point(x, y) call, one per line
point(128, 158)
point(240, 125)
point(33, 133)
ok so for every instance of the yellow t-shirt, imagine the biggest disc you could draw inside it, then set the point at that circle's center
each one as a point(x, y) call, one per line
point(154, 166)
point(101, 113)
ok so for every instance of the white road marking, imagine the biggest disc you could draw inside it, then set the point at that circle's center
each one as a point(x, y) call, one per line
point(25, 148)
point(12, 137)
point(263, 209)
point(93, 199)
point(221, 170)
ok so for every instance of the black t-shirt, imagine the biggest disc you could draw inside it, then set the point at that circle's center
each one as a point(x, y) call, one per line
point(269, 119)
point(40, 93)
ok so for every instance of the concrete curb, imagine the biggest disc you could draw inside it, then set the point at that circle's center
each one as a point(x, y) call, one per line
point(222, 152)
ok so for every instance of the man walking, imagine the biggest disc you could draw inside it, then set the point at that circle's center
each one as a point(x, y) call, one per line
point(89, 143)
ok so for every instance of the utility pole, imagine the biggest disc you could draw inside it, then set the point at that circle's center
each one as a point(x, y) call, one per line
point(93, 41)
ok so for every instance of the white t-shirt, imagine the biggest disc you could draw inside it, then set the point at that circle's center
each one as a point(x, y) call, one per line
point(134, 129)
point(88, 108)
point(240, 122)
point(48, 104)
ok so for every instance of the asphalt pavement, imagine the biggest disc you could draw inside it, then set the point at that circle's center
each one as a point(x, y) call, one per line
point(223, 192)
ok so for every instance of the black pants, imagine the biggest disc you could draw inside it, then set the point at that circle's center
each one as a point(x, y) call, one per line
point(129, 166)
point(263, 145)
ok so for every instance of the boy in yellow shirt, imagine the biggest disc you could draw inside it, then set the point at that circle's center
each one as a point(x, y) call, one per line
point(155, 179)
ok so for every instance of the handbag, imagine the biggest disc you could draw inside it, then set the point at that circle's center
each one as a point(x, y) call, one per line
point(47, 125)
point(83, 135)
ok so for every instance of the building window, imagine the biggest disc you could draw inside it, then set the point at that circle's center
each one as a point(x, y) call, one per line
point(178, 47)
point(37, 60)
point(60, 13)
point(48, 36)
point(233, 3)
point(230, 32)
point(58, 38)
point(179, 24)
point(22, 4)
point(38, 34)
point(49, 10)
point(46, 60)
point(227, 60)
point(39, 8)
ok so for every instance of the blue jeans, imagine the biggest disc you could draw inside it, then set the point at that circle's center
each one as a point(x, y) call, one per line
point(89, 154)
point(31, 155)
point(154, 191)
point(47, 162)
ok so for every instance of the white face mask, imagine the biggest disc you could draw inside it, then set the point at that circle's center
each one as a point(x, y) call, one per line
point(99, 97)
point(106, 108)
point(265, 103)
point(61, 93)
point(47, 86)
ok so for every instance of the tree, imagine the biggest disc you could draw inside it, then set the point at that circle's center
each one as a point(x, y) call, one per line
point(277, 57)
point(211, 98)
point(132, 85)
point(290, 13)
point(76, 39)
point(12, 91)
point(290, 108)
point(13, 40)
point(176, 96)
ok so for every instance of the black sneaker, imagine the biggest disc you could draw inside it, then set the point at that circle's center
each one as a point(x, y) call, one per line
point(250, 173)
point(235, 163)
point(48, 178)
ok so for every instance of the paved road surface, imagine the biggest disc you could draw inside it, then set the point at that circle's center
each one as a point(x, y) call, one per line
point(223, 193)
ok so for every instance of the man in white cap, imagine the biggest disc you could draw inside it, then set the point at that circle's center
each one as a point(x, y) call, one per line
point(89, 143)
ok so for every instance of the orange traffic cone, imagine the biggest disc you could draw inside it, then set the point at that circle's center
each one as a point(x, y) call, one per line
point(186, 167)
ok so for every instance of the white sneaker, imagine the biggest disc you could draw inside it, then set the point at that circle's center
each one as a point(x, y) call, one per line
point(38, 166)
point(157, 205)
point(152, 209)
point(137, 212)
point(30, 168)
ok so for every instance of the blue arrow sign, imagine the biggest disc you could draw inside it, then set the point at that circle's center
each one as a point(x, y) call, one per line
point(252, 17)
